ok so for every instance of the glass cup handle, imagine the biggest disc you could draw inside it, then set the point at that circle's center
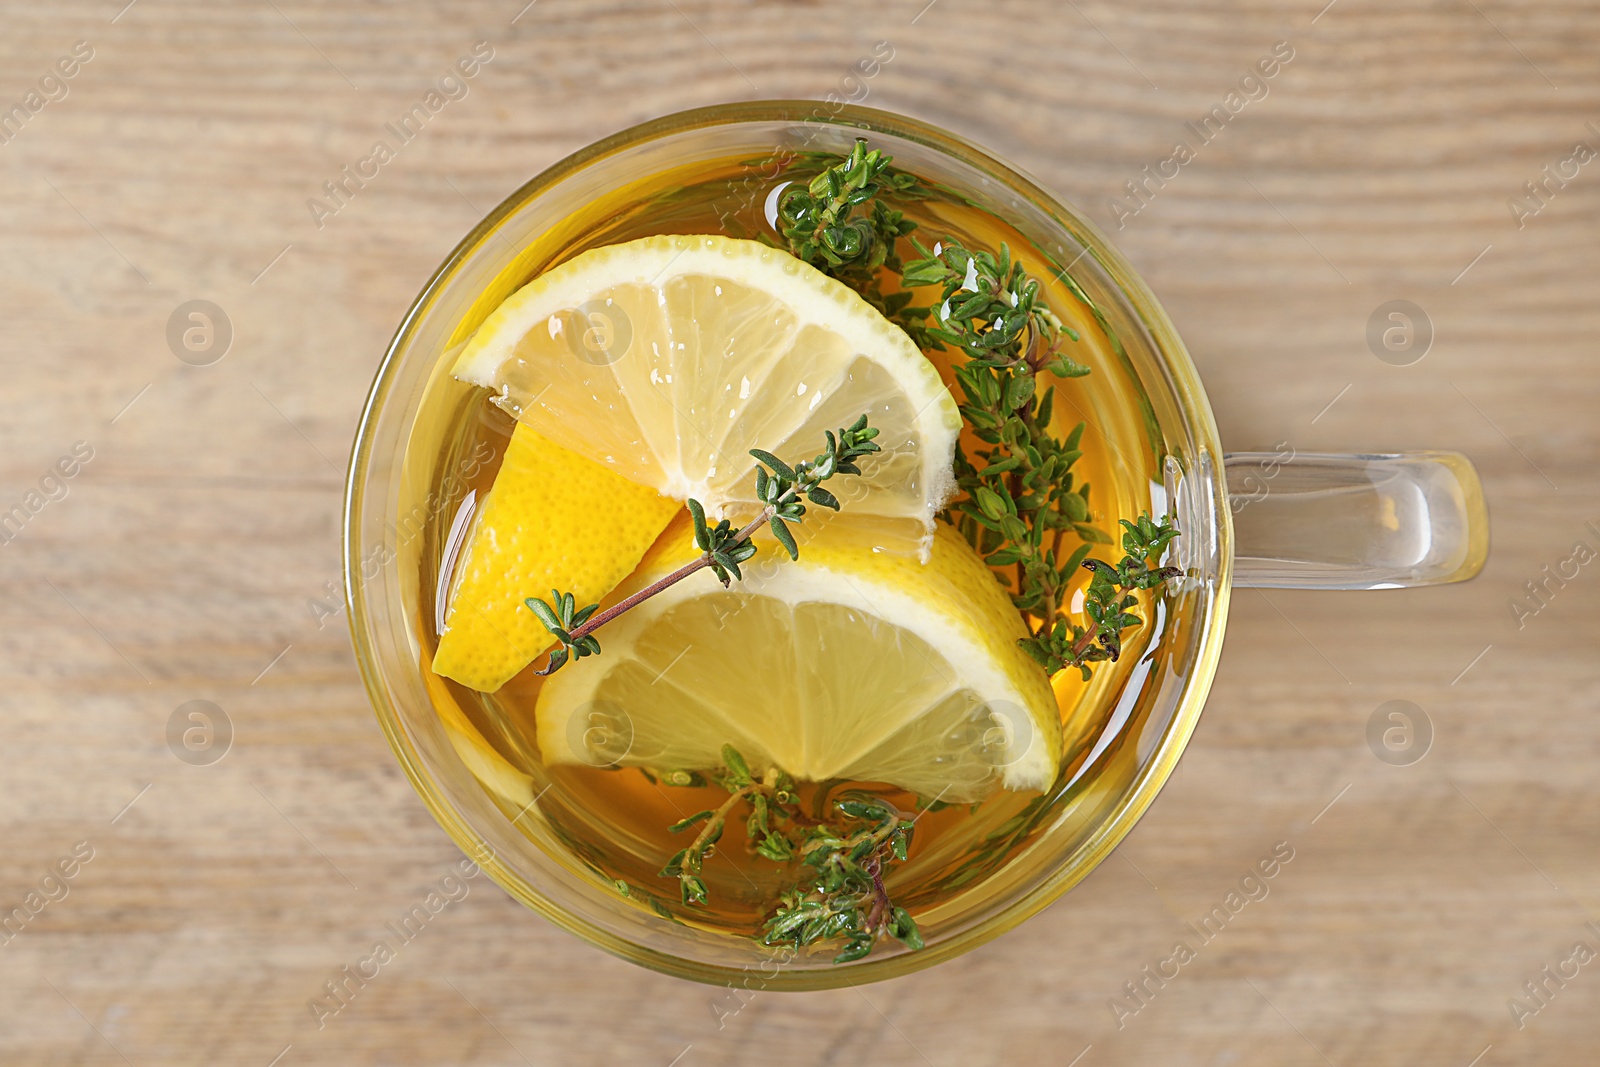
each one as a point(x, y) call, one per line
point(1355, 521)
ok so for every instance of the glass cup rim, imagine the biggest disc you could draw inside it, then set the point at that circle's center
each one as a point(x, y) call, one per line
point(1183, 383)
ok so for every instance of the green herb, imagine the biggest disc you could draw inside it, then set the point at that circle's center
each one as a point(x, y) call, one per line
point(1019, 495)
point(766, 798)
point(819, 222)
point(840, 892)
point(1020, 498)
point(1106, 602)
point(782, 488)
point(843, 895)
point(991, 310)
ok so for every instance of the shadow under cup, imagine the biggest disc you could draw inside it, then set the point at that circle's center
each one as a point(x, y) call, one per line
point(1134, 734)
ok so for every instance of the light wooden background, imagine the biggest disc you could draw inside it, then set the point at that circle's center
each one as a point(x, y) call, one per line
point(180, 563)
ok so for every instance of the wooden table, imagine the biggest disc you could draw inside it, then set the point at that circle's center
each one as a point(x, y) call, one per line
point(185, 559)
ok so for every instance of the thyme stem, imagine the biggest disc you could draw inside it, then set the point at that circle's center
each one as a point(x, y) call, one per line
point(778, 484)
point(700, 563)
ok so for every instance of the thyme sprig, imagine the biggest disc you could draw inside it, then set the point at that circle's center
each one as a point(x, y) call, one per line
point(767, 799)
point(990, 309)
point(782, 488)
point(843, 895)
point(818, 220)
point(840, 891)
point(1019, 498)
point(1106, 601)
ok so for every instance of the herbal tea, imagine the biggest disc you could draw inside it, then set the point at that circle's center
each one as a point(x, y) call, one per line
point(788, 536)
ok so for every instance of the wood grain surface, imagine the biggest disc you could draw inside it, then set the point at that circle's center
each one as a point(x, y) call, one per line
point(182, 560)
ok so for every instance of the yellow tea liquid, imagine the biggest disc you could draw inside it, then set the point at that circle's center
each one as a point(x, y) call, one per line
point(611, 823)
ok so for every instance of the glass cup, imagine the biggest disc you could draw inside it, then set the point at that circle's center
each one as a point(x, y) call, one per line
point(1360, 521)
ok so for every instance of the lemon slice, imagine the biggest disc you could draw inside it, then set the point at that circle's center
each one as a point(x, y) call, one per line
point(666, 359)
point(551, 519)
point(848, 663)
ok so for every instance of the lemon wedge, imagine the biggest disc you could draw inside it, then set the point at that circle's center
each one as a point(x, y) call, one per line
point(551, 519)
point(849, 663)
point(666, 359)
